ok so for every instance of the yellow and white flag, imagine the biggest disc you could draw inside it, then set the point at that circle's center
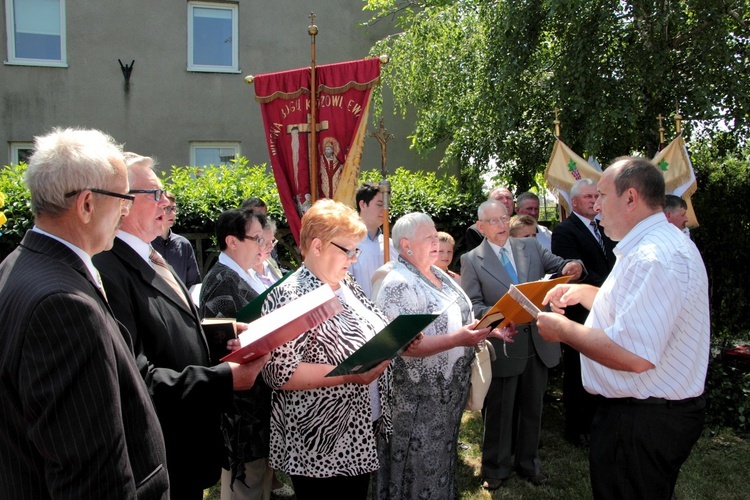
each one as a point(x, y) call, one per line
point(564, 169)
point(679, 176)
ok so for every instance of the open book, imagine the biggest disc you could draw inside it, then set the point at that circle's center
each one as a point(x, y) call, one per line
point(520, 304)
point(386, 344)
point(285, 324)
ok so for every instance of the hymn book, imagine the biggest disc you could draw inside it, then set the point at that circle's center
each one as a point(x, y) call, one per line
point(520, 304)
point(285, 324)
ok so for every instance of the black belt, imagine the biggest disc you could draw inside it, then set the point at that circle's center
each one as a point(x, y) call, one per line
point(656, 401)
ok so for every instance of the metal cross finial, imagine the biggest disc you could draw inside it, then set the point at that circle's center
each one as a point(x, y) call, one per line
point(312, 17)
point(557, 122)
point(660, 119)
point(678, 120)
point(383, 137)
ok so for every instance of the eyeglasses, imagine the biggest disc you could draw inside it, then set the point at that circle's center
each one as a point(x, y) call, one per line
point(257, 239)
point(496, 220)
point(126, 200)
point(350, 254)
point(158, 193)
point(170, 209)
point(271, 244)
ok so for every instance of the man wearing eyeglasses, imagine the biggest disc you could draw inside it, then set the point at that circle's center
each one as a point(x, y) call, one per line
point(171, 350)
point(176, 249)
point(519, 374)
point(77, 420)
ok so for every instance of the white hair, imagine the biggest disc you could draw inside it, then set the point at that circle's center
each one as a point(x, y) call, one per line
point(406, 227)
point(68, 160)
point(576, 189)
point(487, 205)
point(135, 161)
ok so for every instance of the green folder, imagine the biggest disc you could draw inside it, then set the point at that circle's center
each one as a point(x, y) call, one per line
point(388, 343)
point(252, 309)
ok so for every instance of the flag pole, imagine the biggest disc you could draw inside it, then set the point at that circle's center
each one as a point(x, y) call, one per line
point(312, 30)
point(561, 213)
point(384, 186)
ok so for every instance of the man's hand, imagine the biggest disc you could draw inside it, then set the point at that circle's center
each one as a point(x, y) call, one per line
point(243, 376)
point(566, 295)
point(552, 326)
point(574, 269)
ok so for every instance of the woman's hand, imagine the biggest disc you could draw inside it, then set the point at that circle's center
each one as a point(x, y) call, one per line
point(413, 345)
point(469, 336)
point(367, 377)
point(505, 333)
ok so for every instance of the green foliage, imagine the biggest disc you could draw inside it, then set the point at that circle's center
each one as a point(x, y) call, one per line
point(723, 237)
point(485, 75)
point(728, 395)
point(439, 196)
point(17, 208)
point(203, 193)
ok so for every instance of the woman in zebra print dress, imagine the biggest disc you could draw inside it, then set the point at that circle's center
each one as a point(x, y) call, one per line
point(323, 430)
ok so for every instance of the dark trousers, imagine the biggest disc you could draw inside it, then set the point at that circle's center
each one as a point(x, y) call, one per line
point(580, 406)
point(524, 392)
point(638, 447)
point(331, 488)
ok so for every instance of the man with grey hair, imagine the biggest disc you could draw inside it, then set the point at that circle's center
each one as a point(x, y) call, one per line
point(527, 203)
point(77, 419)
point(171, 350)
point(580, 237)
point(645, 344)
point(502, 194)
point(519, 375)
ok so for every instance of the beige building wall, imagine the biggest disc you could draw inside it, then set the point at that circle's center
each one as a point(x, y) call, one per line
point(165, 107)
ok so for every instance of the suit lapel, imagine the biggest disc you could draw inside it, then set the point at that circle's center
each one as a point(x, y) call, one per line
point(490, 262)
point(150, 277)
point(53, 249)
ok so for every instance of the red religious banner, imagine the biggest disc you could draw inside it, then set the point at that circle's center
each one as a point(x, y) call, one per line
point(344, 91)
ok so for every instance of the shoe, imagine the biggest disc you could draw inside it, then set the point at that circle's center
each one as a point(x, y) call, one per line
point(493, 484)
point(463, 446)
point(285, 491)
point(538, 480)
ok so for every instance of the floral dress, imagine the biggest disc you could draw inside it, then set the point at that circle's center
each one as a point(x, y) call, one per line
point(429, 393)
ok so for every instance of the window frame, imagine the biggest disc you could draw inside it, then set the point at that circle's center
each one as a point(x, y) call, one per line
point(24, 61)
point(208, 68)
point(194, 145)
point(15, 148)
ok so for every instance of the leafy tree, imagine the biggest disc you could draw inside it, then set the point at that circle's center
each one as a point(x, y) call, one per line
point(485, 75)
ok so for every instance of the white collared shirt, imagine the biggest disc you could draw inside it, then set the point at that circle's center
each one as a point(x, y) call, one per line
point(508, 252)
point(138, 245)
point(371, 258)
point(654, 303)
point(232, 264)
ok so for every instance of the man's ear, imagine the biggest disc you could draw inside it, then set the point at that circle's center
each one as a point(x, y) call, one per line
point(84, 206)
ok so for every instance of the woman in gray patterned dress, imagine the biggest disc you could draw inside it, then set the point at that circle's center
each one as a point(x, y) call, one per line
point(429, 392)
point(323, 428)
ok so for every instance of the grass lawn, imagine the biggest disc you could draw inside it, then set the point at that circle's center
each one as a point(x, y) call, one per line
point(718, 467)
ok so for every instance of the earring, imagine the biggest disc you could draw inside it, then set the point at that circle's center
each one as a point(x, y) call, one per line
point(409, 252)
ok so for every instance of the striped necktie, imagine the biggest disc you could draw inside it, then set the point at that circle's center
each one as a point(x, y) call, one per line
point(162, 269)
point(595, 228)
point(508, 265)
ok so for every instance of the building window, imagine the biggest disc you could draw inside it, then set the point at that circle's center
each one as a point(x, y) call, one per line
point(213, 153)
point(20, 152)
point(36, 32)
point(212, 37)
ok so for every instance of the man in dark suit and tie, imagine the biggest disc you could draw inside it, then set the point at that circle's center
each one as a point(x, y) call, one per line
point(520, 377)
point(77, 420)
point(171, 350)
point(580, 237)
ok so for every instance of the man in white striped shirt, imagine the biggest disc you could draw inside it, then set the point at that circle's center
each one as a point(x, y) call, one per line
point(645, 344)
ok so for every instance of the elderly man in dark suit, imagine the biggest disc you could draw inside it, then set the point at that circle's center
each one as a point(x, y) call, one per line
point(580, 237)
point(171, 350)
point(77, 420)
point(520, 377)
